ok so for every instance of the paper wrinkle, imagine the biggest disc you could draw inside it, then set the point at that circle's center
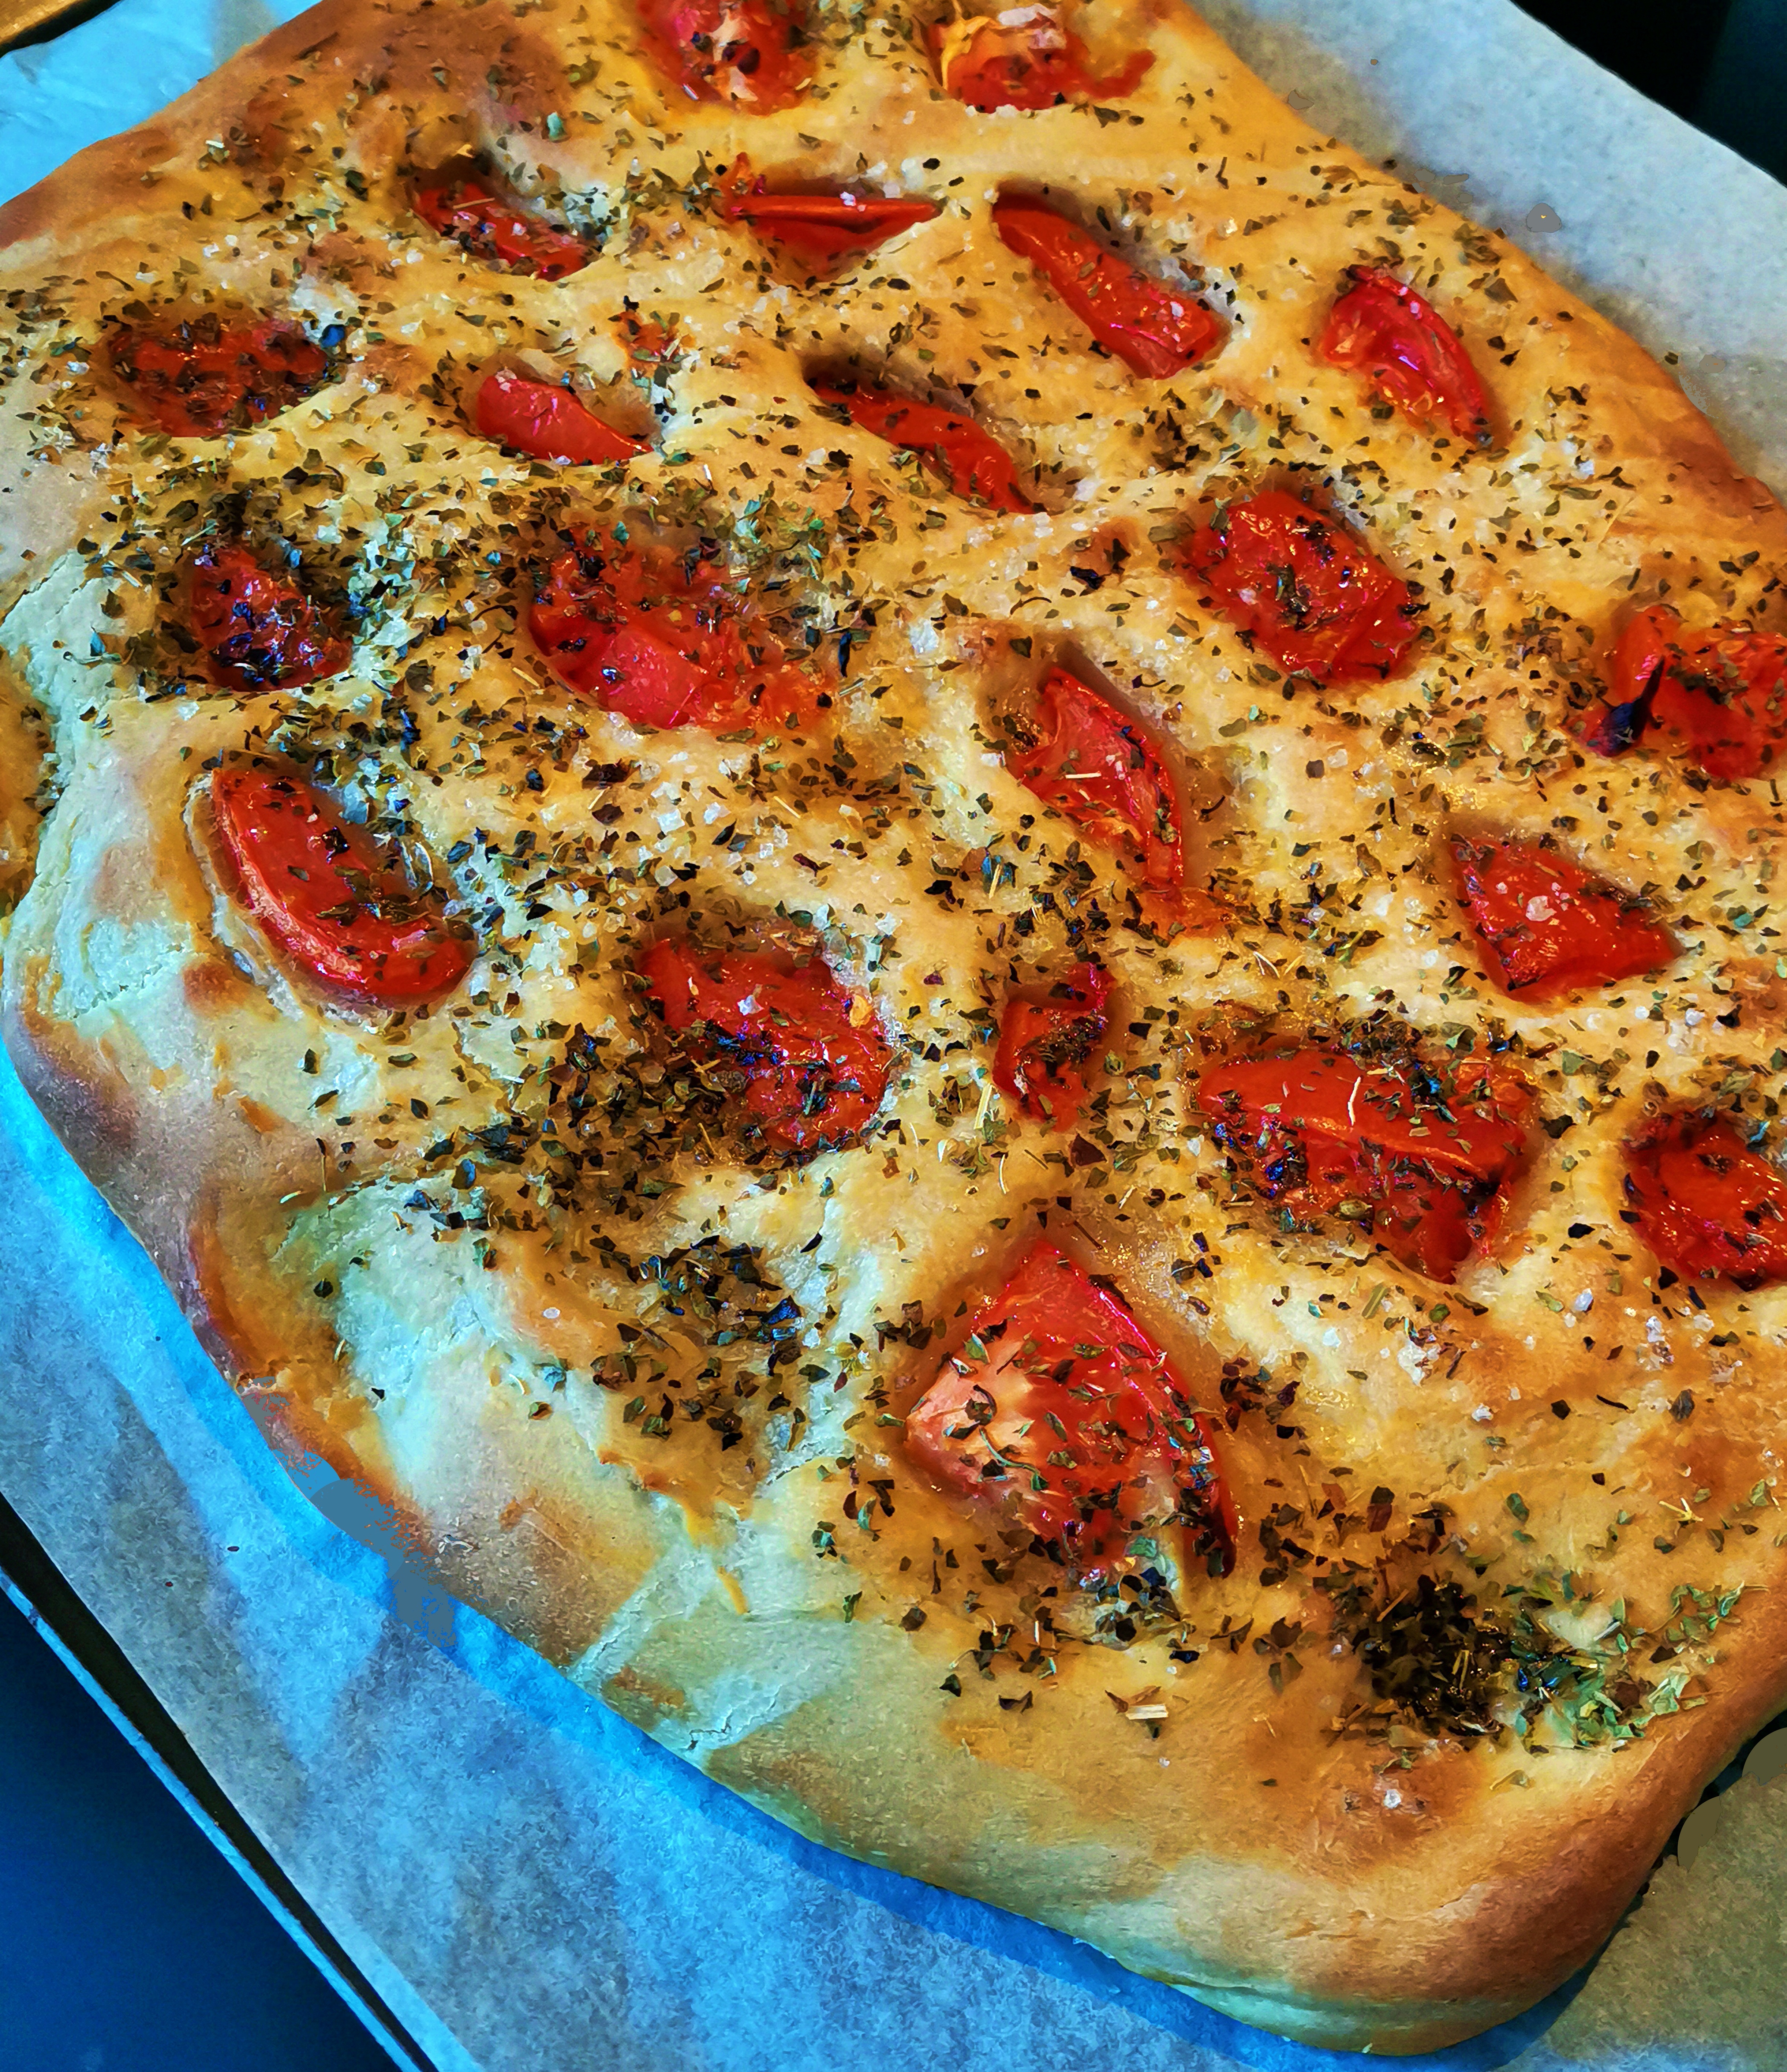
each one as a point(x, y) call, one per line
point(529, 1882)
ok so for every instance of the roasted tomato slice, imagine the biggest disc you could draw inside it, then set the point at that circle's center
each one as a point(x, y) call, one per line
point(822, 228)
point(665, 638)
point(548, 421)
point(350, 921)
point(1153, 329)
point(1025, 58)
point(1062, 1413)
point(1045, 1040)
point(1551, 927)
point(1382, 327)
point(1320, 604)
point(747, 52)
point(467, 204)
point(1715, 695)
point(953, 447)
point(260, 631)
point(1418, 1159)
point(1098, 766)
point(810, 1061)
point(1707, 1205)
point(204, 378)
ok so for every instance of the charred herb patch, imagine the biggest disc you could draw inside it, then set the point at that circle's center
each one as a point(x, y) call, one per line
point(743, 1324)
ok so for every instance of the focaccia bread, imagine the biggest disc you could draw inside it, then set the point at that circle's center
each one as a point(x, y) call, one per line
point(940, 879)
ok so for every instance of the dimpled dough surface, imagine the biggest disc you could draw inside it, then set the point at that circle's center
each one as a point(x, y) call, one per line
point(385, 1226)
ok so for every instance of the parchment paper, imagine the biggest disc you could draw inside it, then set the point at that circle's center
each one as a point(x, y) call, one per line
point(530, 1884)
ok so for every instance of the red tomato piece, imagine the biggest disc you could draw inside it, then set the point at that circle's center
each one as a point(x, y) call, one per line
point(1061, 1412)
point(326, 899)
point(550, 422)
point(1707, 1205)
point(810, 1062)
point(1098, 766)
point(1419, 1160)
point(465, 204)
point(648, 342)
point(1152, 328)
point(1716, 695)
point(204, 378)
point(1552, 927)
point(1319, 603)
point(260, 630)
point(749, 53)
point(1044, 1044)
point(822, 228)
point(955, 447)
point(664, 640)
point(1025, 58)
point(1382, 327)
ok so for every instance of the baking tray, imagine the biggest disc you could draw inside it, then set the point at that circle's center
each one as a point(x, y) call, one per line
point(99, 1665)
point(33, 21)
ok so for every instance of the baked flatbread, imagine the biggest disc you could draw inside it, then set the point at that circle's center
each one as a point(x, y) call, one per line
point(940, 881)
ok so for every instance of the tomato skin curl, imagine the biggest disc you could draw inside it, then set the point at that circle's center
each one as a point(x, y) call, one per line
point(1083, 1447)
point(202, 379)
point(349, 921)
point(822, 228)
point(1155, 329)
point(969, 460)
point(1030, 65)
point(548, 421)
point(1097, 767)
point(1321, 605)
point(1709, 1207)
point(744, 53)
point(1383, 328)
point(466, 205)
point(1044, 1044)
point(1715, 695)
point(258, 629)
point(810, 1063)
point(1552, 927)
point(663, 641)
point(1421, 1163)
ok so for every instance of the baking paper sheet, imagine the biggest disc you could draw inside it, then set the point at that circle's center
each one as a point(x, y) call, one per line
point(530, 1884)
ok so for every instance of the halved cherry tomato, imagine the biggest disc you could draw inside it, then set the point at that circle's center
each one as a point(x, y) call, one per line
point(1382, 327)
point(549, 421)
point(665, 638)
point(349, 919)
point(1153, 329)
point(1098, 766)
point(955, 447)
point(1552, 927)
point(1044, 1044)
point(1025, 58)
point(1061, 1412)
point(1418, 1158)
point(810, 1061)
point(821, 227)
point(204, 378)
point(260, 630)
point(1707, 1205)
point(1319, 603)
point(1717, 695)
point(464, 203)
point(747, 52)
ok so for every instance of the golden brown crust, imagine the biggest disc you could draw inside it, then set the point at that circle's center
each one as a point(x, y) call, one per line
point(791, 1609)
